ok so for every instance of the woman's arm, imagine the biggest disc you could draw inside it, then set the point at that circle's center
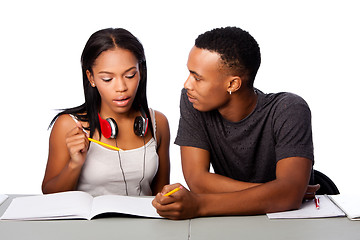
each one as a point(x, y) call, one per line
point(68, 146)
point(162, 177)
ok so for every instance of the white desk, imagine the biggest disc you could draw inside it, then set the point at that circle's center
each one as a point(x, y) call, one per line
point(260, 227)
point(223, 228)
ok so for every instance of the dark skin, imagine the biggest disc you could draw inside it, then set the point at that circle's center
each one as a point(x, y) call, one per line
point(115, 75)
point(209, 88)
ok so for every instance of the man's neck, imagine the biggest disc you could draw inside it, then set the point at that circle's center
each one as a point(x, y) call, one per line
point(241, 104)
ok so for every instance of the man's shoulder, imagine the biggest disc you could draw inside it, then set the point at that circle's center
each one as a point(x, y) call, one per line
point(284, 99)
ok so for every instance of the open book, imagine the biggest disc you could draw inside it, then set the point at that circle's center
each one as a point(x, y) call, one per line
point(308, 210)
point(77, 205)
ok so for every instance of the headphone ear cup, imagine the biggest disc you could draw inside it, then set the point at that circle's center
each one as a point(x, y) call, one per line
point(113, 126)
point(108, 127)
point(140, 126)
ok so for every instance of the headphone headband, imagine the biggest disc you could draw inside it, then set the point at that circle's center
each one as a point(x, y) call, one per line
point(110, 130)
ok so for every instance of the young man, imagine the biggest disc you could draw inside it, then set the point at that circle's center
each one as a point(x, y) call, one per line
point(260, 145)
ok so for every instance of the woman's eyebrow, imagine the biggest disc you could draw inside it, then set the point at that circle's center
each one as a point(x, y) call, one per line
point(107, 72)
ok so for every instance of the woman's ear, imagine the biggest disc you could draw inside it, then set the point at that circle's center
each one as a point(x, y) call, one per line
point(90, 77)
point(234, 84)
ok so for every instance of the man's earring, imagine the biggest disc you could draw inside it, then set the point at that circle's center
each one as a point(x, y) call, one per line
point(230, 92)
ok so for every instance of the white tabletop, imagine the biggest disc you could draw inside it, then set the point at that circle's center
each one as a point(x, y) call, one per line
point(223, 228)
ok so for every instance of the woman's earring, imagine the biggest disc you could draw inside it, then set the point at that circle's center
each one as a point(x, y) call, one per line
point(230, 92)
point(93, 84)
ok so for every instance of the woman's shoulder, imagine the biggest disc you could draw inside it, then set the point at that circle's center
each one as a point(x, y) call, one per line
point(159, 116)
point(162, 124)
point(66, 122)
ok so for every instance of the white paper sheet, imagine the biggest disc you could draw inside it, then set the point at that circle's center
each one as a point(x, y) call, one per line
point(349, 203)
point(309, 210)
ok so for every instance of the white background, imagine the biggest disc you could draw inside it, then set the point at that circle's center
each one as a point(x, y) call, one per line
point(310, 48)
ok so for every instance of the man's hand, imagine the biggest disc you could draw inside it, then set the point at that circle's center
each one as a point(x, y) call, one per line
point(182, 204)
point(311, 191)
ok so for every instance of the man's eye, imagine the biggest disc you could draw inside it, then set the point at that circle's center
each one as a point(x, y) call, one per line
point(196, 78)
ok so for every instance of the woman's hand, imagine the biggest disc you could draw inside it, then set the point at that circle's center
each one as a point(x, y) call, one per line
point(77, 144)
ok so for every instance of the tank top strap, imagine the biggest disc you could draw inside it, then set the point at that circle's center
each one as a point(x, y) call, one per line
point(153, 120)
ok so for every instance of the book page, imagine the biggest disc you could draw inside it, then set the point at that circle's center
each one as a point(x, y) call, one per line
point(138, 206)
point(350, 204)
point(309, 210)
point(65, 205)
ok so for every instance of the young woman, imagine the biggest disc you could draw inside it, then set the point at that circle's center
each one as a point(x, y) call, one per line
point(116, 113)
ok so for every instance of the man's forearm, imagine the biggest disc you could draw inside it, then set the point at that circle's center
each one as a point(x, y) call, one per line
point(270, 197)
point(214, 183)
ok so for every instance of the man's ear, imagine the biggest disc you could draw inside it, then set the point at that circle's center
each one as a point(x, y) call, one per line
point(234, 84)
point(90, 78)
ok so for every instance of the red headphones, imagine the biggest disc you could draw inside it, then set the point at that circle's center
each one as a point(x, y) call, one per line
point(110, 130)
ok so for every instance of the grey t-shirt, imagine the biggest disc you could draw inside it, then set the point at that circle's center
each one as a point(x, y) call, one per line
point(279, 127)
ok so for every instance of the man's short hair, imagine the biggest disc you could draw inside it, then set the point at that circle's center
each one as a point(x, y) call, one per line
point(239, 51)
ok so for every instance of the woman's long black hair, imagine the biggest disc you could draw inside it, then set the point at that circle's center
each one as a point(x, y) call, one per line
point(99, 42)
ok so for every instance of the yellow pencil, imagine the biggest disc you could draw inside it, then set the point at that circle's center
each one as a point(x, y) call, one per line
point(93, 140)
point(104, 144)
point(173, 191)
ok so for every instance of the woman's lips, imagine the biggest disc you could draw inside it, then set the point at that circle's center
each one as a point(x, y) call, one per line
point(121, 102)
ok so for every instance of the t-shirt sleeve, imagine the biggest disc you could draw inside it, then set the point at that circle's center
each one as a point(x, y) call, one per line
point(292, 129)
point(191, 131)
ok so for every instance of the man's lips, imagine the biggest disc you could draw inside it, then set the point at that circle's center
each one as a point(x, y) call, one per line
point(190, 97)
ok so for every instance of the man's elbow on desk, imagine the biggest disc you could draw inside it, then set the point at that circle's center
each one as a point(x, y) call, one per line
point(292, 178)
point(284, 196)
point(285, 203)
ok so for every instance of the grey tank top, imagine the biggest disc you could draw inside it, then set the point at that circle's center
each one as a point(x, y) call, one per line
point(124, 172)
